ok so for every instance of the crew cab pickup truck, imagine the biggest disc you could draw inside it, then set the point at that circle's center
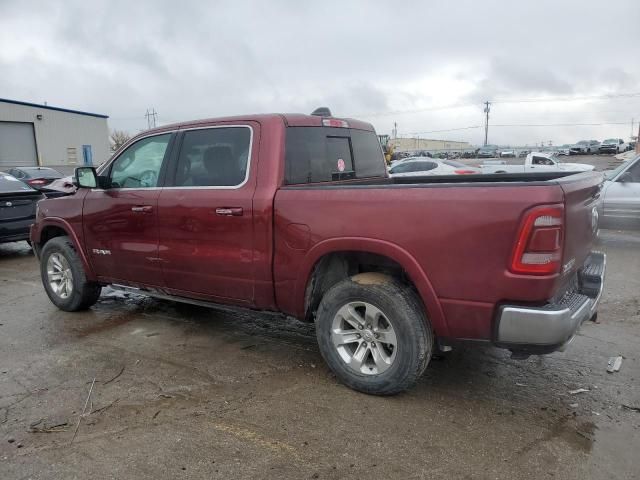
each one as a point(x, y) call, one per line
point(296, 214)
point(536, 161)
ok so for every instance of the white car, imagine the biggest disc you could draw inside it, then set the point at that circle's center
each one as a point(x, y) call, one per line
point(508, 153)
point(536, 161)
point(419, 166)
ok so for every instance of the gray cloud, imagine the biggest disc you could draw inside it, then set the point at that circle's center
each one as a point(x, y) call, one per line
point(200, 59)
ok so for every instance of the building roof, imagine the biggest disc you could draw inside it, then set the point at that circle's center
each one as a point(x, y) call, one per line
point(48, 107)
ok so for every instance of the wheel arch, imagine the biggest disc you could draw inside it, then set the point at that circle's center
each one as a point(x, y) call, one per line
point(331, 260)
point(53, 227)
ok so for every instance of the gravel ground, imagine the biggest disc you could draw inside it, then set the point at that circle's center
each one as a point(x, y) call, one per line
point(188, 392)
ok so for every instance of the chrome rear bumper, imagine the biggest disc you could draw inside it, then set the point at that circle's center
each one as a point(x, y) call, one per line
point(553, 326)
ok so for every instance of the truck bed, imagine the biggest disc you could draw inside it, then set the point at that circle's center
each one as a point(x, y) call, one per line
point(442, 225)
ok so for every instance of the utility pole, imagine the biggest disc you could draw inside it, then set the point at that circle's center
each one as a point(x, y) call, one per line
point(487, 108)
point(152, 117)
point(395, 130)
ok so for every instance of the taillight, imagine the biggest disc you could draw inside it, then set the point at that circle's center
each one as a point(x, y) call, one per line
point(464, 172)
point(538, 249)
point(36, 181)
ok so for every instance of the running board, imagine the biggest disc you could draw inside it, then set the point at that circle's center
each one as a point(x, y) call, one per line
point(192, 301)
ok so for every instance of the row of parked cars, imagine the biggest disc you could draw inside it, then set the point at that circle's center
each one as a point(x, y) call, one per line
point(588, 147)
point(583, 147)
point(20, 190)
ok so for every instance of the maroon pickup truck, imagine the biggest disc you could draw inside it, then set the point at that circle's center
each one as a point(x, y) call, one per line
point(296, 214)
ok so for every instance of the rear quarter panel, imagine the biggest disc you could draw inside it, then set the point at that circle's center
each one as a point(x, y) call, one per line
point(459, 237)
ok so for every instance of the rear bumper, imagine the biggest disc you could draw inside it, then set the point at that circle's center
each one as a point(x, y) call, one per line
point(552, 326)
point(15, 230)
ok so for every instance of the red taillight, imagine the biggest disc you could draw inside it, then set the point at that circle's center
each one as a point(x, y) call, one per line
point(36, 181)
point(538, 249)
point(464, 172)
point(334, 122)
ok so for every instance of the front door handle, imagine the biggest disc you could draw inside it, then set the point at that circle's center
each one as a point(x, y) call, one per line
point(142, 209)
point(229, 211)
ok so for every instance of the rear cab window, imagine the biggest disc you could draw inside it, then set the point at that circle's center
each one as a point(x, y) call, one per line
point(326, 154)
point(9, 184)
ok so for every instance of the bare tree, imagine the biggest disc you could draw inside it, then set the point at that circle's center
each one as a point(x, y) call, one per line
point(118, 138)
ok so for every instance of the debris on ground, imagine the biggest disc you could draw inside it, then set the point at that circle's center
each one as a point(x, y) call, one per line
point(113, 378)
point(631, 407)
point(83, 411)
point(44, 426)
point(102, 409)
point(573, 405)
point(577, 391)
point(614, 364)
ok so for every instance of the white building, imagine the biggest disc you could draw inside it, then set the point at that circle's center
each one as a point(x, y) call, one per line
point(32, 135)
point(407, 144)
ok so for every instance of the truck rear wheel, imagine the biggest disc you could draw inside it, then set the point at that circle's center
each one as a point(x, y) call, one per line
point(63, 276)
point(373, 333)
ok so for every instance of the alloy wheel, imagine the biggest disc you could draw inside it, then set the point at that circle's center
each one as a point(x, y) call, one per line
point(59, 275)
point(364, 338)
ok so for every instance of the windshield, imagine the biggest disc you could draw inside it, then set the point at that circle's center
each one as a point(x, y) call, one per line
point(609, 174)
point(42, 173)
point(611, 140)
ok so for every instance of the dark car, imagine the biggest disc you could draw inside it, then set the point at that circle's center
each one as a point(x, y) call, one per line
point(36, 177)
point(17, 208)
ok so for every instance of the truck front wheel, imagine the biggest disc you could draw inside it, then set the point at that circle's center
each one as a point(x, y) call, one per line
point(373, 333)
point(63, 276)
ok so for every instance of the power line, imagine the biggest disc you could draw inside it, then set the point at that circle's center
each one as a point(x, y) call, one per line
point(503, 101)
point(569, 99)
point(507, 125)
point(560, 124)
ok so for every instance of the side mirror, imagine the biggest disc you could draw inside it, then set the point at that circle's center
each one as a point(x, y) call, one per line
point(625, 177)
point(86, 177)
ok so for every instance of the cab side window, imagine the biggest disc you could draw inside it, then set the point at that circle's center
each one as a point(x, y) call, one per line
point(214, 157)
point(635, 173)
point(139, 165)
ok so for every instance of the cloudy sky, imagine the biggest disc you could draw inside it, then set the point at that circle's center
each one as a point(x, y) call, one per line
point(384, 62)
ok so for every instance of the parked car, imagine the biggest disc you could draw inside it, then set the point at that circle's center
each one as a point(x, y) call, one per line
point(585, 147)
point(536, 161)
point(613, 145)
point(565, 149)
point(17, 208)
point(36, 177)
point(488, 151)
point(307, 223)
point(510, 153)
point(416, 166)
point(620, 200)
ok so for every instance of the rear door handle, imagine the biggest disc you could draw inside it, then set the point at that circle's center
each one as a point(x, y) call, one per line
point(229, 211)
point(142, 209)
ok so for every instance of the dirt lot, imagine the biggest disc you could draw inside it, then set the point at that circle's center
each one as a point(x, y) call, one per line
point(187, 392)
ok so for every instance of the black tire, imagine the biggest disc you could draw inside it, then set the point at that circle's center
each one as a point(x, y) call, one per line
point(83, 293)
point(405, 312)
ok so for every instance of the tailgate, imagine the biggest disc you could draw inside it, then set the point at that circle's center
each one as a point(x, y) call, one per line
point(581, 194)
point(18, 207)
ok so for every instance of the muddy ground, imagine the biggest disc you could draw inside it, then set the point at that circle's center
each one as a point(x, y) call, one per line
point(187, 392)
